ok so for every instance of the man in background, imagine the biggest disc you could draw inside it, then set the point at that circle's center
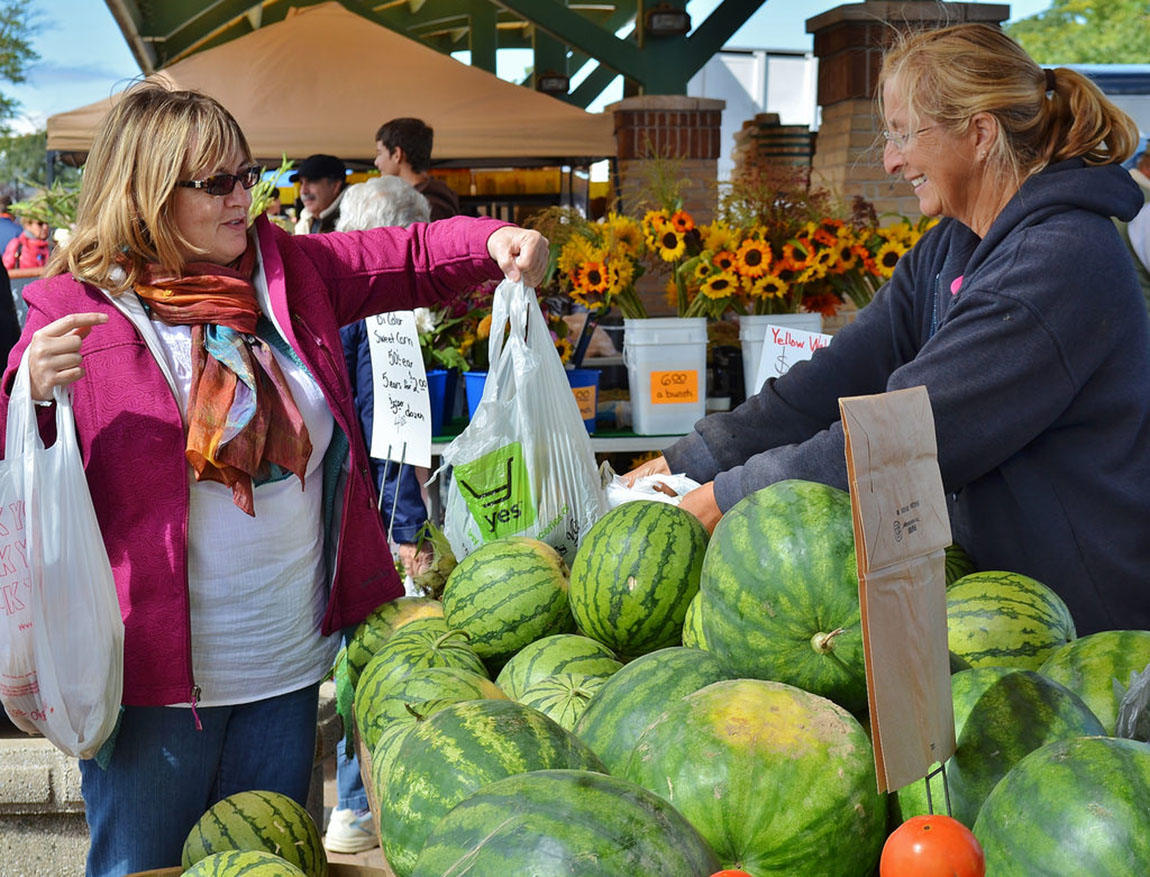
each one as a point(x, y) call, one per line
point(9, 226)
point(322, 179)
point(403, 149)
point(1137, 232)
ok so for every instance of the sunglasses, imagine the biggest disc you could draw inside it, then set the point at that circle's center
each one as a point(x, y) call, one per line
point(224, 184)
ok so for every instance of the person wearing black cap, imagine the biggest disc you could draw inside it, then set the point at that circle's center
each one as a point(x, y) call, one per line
point(322, 180)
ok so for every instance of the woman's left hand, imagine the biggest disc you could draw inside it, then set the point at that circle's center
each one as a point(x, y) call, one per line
point(700, 502)
point(521, 253)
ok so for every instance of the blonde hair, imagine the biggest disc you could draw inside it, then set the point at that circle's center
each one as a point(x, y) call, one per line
point(151, 139)
point(951, 74)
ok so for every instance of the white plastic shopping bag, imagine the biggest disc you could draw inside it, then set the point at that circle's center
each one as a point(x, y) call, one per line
point(61, 635)
point(524, 464)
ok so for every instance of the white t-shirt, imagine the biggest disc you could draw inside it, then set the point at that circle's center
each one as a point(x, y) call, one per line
point(257, 586)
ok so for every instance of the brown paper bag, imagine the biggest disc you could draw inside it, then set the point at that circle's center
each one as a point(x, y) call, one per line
point(901, 531)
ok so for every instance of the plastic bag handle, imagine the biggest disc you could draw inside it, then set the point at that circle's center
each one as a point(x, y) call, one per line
point(22, 431)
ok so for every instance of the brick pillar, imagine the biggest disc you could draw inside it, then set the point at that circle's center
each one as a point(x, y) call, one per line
point(764, 142)
point(682, 129)
point(849, 41)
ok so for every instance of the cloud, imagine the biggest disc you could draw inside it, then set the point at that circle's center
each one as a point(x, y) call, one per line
point(50, 75)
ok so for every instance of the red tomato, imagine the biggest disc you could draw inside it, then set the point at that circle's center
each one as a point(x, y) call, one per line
point(932, 846)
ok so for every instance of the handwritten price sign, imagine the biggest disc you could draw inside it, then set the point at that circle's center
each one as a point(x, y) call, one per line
point(401, 429)
point(783, 347)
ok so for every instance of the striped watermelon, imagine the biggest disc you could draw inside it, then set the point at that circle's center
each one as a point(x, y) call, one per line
point(258, 820)
point(422, 644)
point(958, 563)
point(1091, 666)
point(634, 574)
point(562, 697)
point(1074, 807)
point(374, 631)
point(248, 863)
point(693, 636)
point(1000, 714)
point(506, 594)
point(780, 592)
point(634, 697)
point(561, 653)
point(457, 751)
point(383, 754)
point(422, 691)
point(777, 780)
point(548, 823)
point(1004, 619)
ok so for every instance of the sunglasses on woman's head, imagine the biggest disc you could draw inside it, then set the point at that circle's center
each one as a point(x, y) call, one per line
point(223, 184)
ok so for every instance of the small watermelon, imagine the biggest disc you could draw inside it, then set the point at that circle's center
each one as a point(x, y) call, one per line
point(1074, 807)
point(1000, 714)
point(693, 636)
point(453, 754)
point(780, 597)
point(377, 628)
point(557, 822)
point(248, 863)
point(634, 697)
point(636, 571)
point(958, 563)
point(561, 653)
point(562, 697)
point(1091, 666)
point(506, 594)
point(1003, 619)
point(258, 820)
point(777, 780)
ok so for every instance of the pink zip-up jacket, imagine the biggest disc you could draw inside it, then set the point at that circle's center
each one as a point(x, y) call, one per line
point(132, 438)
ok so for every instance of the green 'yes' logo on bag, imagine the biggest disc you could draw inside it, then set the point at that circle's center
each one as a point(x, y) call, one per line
point(497, 490)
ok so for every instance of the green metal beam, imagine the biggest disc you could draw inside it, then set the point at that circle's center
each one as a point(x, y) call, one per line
point(483, 36)
point(592, 86)
point(710, 36)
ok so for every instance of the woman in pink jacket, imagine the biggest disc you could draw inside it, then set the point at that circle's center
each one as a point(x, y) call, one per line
point(222, 450)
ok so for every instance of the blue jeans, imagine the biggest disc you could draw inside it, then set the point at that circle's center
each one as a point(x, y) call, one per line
point(164, 774)
point(351, 795)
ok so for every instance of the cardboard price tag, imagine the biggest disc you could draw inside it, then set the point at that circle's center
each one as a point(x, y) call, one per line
point(674, 387)
point(585, 399)
point(901, 533)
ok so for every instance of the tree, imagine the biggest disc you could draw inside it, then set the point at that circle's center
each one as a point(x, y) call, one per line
point(18, 23)
point(1087, 32)
point(23, 167)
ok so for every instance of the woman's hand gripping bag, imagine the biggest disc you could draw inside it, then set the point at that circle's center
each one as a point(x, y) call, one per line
point(61, 634)
point(524, 464)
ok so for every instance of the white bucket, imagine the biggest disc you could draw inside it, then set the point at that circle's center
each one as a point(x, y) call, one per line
point(666, 361)
point(752, 331)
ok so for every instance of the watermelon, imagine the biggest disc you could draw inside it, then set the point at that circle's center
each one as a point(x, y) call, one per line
point(1093, 665)
point(457, 751)
point(561, 653)
point(777, 780)
point(384, 753)
point(562, 697)
point(506, 594)
point(693, 637)
point(635, 573)
point(423, 691)
point(634, 697)
point(1073, 807)
point(549, 823)
point(258, 820)
point(374, 631)
point(1000, 714)
point(422, 643)
point(248, 863)
point(780, 592)
point(1004, 619)
point(958, 563)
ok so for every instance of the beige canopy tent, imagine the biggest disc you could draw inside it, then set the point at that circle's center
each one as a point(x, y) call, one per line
point(324, 79)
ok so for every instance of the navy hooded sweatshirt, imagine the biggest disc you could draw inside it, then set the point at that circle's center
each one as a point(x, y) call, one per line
point(1034, 347)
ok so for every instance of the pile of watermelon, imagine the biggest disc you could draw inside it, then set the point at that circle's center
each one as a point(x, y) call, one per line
point(677, 703)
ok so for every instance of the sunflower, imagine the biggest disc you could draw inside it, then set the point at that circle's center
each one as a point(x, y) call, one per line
point(825, 303)
point(825, 259)
point(796, 255)
point(848, 256)
point(626, 233)
point(592, 282)
point(887, 257)
point(824, 236)
point(670, 244)
point(621, 275)
point(769, 286)
point(576, 251)
point(753, 258)
point(671, 293)
point(724, 284)
point(724, 260)
point(683, 221)
point(704, 268)
point(717, 236)
point(483, 330)
point(564, 349)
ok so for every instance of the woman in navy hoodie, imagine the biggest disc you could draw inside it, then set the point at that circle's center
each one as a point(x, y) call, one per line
point(1019, 312)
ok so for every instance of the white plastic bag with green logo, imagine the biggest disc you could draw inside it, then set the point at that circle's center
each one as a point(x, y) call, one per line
point(524, 464)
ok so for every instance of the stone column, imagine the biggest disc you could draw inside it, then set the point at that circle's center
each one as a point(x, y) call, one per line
point(849, 41)
point(673, 128)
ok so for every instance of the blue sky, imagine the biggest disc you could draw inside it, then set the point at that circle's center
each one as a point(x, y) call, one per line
point(84, 57)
